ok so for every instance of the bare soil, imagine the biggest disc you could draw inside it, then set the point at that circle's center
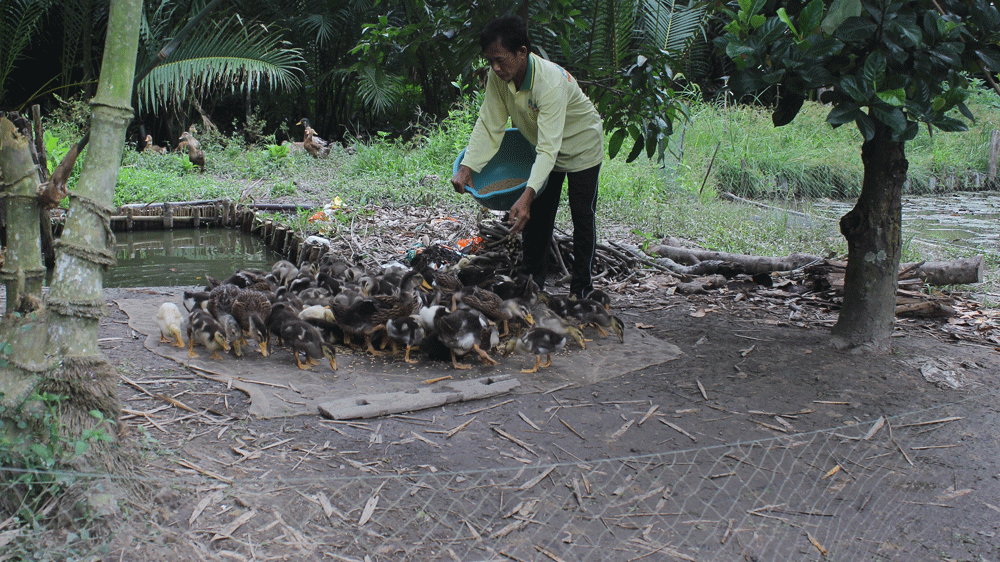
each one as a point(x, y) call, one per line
point(760, 442)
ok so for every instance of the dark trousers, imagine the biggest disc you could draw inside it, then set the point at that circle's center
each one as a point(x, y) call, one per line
point(537, 234)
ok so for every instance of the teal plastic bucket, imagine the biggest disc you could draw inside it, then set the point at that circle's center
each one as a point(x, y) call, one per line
point(512, 160)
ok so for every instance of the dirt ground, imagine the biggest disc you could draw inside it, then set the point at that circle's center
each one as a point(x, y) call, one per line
point(759, 442)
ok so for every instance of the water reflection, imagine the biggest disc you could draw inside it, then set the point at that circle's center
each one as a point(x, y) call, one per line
point(964, 219)
point(165, 258)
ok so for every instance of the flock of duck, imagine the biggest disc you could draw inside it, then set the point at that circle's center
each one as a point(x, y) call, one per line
point(441, 310)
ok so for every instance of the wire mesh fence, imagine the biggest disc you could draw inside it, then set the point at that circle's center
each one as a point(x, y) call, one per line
point(877, 490)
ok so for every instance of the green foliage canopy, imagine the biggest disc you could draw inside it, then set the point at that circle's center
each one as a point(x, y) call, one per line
point(901, 63)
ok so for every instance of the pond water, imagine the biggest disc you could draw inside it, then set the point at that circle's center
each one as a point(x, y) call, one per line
point(169, 258)
point(963, 220)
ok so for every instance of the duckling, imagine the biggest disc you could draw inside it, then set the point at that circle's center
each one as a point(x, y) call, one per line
point(407, 331)
point(315, 295)
point(545, 318)
point(539, 341)
point(592, 313)
point(284, 271)
point(401, 304)
point(183, 144)
point(222, 298)
point(322, 317)
point(246, 278)
point(464, 331)
point(170, 320)
point(325, 280)
point(195, 154)
point(193, 299)
point(305, 338)
point(150, 147)
point(601, 297)
point(427, 315)
point(355, 319)
point(281, 312)
point(490, 304)
point(234, 335)
point(282, 294)
point(206, 331)
point(252, 309)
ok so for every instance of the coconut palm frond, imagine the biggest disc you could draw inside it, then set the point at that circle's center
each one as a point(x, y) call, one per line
point(674, 26)
point(234, 57)
point(378, 90)
point(614, 40)
point(19, 20)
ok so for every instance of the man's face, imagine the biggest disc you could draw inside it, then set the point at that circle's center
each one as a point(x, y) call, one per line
point(506, 64)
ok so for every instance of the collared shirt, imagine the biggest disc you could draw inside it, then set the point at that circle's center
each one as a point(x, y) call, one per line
point(552, 113)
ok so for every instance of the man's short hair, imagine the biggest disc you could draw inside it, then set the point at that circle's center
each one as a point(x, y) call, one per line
point(510, 30)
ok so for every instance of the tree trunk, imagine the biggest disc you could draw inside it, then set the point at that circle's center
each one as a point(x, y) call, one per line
point(55, 350)
point(22, 271)
point(874, 243)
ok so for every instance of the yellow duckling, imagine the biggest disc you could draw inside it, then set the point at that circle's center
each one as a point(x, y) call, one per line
point(170, 320)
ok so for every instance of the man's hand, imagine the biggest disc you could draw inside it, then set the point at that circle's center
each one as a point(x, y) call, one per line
point(462, 178)
point(520, 212)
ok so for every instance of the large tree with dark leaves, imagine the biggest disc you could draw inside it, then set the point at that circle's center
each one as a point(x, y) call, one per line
point(890, 66)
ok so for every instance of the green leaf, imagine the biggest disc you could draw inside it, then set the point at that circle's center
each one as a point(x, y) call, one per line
point(965, 111)
point(615, 143)
point(840, 10)
point(636, 148)
point(906, 31)
point(811, 16)
point(990, 58)
point(849, 87)
point(788, 107)
point(912, 128)
point(844, 113)
point(856, 29)
point(873, 71)
point(892, 117)
point(896, 97)
point(783, 16)
point(866, 126)
point(950, 125)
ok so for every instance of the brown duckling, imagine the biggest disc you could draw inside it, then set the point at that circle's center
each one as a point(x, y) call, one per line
point(305, 338)
point(539, 341)
point(545, 318)
point(182, 146)
point(407, 331)
point(205, 331)
point(489, 303)
point(463, 331)
point(195, 154)
point(252, 310)
point(150, 147)
point(592, 313)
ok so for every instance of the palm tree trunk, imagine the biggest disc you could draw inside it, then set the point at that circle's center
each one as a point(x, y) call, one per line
point(873, 229)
